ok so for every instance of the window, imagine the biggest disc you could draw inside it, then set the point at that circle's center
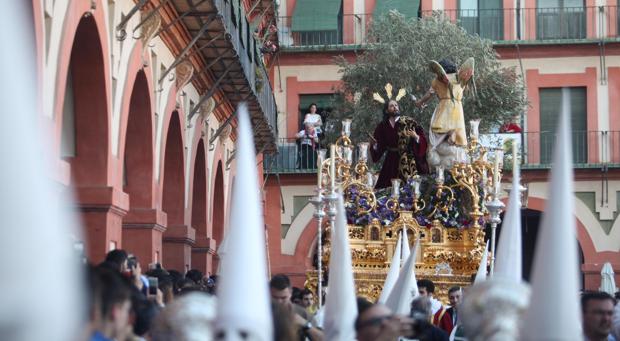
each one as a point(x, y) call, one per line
point(323, 103)
point(550, 109)
point(560, 19)
point(482, 17)
point(317, 22)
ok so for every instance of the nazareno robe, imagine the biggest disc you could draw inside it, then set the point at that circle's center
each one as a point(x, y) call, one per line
point(387, 142)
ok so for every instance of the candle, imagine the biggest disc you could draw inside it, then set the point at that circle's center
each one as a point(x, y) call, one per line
point(332, 169)
point(416, 188)
point(514, 154)
point(348, 155)
point(370, 181)
point(346, 127)
point(395, 188)
point(440, 177)
point(363, 150)
point(495, 167)
point(319, 161)
point(474, 128)
point(499, 155)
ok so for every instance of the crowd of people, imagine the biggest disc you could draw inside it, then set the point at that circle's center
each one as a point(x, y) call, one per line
point(128, 304)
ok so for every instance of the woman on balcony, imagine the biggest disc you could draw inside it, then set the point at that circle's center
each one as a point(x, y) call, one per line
point(313, 119)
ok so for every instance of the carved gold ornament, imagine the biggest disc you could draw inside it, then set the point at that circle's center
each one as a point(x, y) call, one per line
point(388, 90)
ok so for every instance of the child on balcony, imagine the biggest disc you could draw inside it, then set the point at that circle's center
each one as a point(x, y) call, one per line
point(308, 140)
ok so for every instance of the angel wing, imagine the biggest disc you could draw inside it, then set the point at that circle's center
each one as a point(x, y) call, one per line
point(466, 71)
point(437, 69)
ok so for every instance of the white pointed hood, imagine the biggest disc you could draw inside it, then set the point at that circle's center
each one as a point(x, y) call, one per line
point(406, 287)
point(481, 275)
point(508, 255)
point(392, 274)
point(554, 312)
point(38, 224)
point(221, 254)
point(405, 250)
point(341, 304)
point(243, 296)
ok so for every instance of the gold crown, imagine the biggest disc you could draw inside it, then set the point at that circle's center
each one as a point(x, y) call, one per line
point(388, 89)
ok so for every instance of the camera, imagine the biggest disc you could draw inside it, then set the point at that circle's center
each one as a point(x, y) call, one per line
point(132, 262)
point(153, 285)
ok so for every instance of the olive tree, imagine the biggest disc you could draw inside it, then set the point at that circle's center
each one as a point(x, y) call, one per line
point(399, 51)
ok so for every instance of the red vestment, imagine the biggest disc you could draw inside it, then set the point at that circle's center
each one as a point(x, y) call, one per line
point(387, 141)
point(443, 320)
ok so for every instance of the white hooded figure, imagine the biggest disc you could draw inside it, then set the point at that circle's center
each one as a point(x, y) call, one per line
point(188, 318)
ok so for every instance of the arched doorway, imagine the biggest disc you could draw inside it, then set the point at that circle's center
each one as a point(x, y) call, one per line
point(218, 209)
point(201, 252)
point(137, 173)
point(175, 253)
point(138, 156)
point(530, 223)
point(84, 136)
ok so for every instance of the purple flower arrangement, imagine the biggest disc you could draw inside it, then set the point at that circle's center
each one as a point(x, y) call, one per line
point(456, 216)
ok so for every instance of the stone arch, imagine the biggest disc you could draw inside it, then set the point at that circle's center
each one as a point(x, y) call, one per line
point(199, 193)
point(138, 151)
point(218, 204)
point(531, 217)
point(143, 222)
point(173, 178)
point(201, 256)
point(83, 114)
point(175, 253)
point(86, 102)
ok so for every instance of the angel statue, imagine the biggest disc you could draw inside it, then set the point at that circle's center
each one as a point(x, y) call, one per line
point(447, 138)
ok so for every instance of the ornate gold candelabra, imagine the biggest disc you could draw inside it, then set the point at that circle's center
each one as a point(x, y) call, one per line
point(448, 255)
point(441, 188)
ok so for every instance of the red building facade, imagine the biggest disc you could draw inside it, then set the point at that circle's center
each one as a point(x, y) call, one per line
point(147, 150)
point(571, 44)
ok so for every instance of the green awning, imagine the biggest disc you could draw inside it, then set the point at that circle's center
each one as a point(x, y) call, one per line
point(316, 15)
point(408, 8)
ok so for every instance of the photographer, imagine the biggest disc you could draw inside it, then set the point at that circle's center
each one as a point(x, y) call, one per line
point(423, 330)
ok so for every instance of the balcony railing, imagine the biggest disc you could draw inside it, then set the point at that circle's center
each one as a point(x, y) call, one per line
point(533, 25)
point(591, 149)
point(292, 157)
point(249, 57)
